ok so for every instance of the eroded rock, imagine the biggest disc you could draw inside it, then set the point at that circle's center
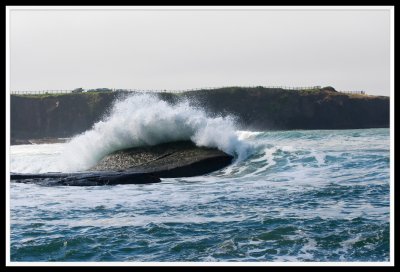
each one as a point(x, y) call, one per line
point(177, 159)
point(139, 166)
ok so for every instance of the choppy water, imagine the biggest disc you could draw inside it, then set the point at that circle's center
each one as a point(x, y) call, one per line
point(298, 196)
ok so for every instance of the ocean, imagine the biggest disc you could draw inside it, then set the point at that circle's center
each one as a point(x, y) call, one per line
point(298, 195)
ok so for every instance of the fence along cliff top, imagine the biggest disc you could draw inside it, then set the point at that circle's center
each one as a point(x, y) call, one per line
point(80, 90)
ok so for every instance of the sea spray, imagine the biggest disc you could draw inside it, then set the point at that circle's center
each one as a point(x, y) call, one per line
point(145, 120)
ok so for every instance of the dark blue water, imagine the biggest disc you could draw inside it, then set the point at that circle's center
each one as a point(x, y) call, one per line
point(301, 196)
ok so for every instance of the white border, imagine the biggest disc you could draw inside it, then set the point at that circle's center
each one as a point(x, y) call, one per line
point(193, 8)
point(197, 8)
point(201, 264)
point(8, 131)
point(392, 136)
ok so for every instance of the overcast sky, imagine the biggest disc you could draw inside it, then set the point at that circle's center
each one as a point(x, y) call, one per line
point(180, 49)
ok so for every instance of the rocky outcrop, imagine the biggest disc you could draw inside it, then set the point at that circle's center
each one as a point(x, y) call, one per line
point(86, 178)
point(177, 159)
point(139, 166)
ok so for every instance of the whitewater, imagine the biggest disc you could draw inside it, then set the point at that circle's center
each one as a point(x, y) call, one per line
point(316, 195)
point(142, 120)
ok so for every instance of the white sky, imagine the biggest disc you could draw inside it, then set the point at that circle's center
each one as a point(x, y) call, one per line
point(181, 49)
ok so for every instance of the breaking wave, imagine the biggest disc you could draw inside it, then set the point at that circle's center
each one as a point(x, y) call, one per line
point(145, 120)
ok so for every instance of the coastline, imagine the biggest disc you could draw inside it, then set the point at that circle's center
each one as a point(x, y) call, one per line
point(255, 109)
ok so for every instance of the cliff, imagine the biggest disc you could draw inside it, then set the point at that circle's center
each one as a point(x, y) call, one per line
point(64, 115)
point(61, 115)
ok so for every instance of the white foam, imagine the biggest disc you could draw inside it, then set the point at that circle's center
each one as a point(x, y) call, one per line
point(244, 134)
point(35, 158)
point(267, 158)
point(146, 120)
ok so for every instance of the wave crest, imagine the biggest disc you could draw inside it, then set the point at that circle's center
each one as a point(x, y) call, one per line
point(144, 119)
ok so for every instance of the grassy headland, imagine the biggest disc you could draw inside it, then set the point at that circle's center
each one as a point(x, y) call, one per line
point(259, 108)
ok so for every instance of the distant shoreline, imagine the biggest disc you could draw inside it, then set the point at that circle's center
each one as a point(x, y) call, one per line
point(52, 116)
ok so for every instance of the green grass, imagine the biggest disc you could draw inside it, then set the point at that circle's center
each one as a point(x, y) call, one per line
point(47, 95)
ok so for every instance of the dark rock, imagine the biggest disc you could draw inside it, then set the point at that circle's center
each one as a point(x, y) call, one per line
point(86, 178)
point(19, 141)
point(177, 159)
point(38, 141)
point(48, 140)
point(139, 166)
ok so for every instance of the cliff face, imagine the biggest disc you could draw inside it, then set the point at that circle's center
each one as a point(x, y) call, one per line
point(57, 115)
point(256, 108)
point(261, 109)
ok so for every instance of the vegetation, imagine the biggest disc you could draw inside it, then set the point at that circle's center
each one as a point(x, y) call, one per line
point(257, 108)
